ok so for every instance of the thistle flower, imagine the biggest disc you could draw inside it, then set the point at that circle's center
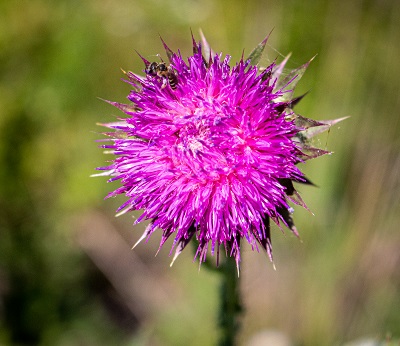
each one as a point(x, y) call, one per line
point(210, 151)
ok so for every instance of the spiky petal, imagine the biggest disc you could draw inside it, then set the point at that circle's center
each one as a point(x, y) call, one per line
point(214, 158)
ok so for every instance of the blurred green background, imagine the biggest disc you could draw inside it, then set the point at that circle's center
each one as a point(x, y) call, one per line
point(67, 274)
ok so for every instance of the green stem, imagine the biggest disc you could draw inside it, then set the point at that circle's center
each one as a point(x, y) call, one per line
point(230, 307)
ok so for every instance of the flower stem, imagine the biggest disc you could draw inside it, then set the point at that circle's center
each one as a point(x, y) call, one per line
point(230, 306)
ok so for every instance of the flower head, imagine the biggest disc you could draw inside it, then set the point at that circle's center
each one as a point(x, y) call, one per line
point(210, 151)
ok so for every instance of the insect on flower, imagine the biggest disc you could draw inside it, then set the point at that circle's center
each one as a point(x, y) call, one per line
point(164, 71)
point(212, 159)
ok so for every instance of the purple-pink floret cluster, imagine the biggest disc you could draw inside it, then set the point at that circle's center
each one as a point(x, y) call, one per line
point(212, 159)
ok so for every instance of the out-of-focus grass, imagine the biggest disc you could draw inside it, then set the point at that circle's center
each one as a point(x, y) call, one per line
point(66, 270)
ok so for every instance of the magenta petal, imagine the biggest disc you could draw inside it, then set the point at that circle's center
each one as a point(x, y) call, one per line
point(208, 150)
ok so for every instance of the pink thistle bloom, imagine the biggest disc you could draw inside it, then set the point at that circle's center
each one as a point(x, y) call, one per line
point(210, 151)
